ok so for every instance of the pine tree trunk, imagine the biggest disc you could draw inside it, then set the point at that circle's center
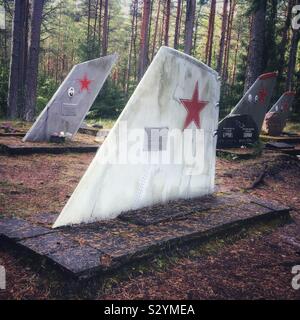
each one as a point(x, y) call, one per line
point(161, 34)
point(88, 39)
point(177, 25)
point(228, 40)
point(236, 54)
point(292, 60)
point(105, 29)
point(100, 27)
point(144, 44)
point(197, 23)
point(17, 59)
point(223, 35)
point(33, 60)
point(284, 40)
point(150, 22)
point(155, 30)
point(167, 21)
point(95, 26)
point(210, 37)
point(127, 77)
point(270, 37)
point(256, 48)
point(134, 43)
point(24, 56)
point(189, 25)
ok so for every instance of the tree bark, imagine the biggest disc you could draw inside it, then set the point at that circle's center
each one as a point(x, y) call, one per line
point(228, 39)
point(236, 54)
point(95, 26)
point(177, 24)
point(292, 60)
point(33, 60)
point(162, 24)
point(256, 48)
point(100, 26)
point(135, 44)
point(105, 29)
point(167, 21)
point(197, 24)
point(223, 36)
point(88, 39)
point(155, 30)
point(189, 25)
point(270, 38)
point(144, 44)
point(284, 40)
point(211, 27)
point(134, 14)
point(17, 59)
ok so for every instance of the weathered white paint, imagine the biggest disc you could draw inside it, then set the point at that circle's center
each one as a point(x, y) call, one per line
point(69, 105)
point(108, 188)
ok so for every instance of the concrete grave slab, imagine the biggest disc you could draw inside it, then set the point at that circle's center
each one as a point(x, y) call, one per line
point(17, 229)
point(88, 249)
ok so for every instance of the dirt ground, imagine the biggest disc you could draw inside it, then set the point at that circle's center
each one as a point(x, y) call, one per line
point(253, 264)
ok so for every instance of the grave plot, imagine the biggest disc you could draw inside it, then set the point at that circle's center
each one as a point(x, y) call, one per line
point(95, 248)
point(294, 138)
point(238, 153)
point(283, 147)
point(13, 145)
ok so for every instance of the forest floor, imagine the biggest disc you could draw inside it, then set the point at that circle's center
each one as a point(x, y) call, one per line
point(255, 263)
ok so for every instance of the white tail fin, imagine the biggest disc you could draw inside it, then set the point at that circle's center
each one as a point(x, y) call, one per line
point(73, 99)
point(162, 147)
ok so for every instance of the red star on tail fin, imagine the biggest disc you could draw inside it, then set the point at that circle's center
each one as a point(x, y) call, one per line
point(84, 83)
point(193, 108)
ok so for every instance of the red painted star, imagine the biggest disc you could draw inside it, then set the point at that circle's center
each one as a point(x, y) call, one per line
point(262, 94)
point(193, 107)
point(84, 83)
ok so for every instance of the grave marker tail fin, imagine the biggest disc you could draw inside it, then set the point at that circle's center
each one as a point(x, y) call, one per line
point(69, 105)
point(275, 119)
point(161, 148)
point(243, 125)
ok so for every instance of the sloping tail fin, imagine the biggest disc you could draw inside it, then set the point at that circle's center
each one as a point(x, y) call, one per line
point(284, 103)
point(243, 125)
point(256, 101)
point(275, 119)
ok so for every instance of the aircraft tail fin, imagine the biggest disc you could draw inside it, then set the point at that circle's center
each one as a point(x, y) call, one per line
point(243, 125)
point(256, 100)
point(275, 119)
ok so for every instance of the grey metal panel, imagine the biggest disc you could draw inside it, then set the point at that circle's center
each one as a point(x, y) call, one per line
point(284, 105)
point(68, 107)
point(257, 99)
